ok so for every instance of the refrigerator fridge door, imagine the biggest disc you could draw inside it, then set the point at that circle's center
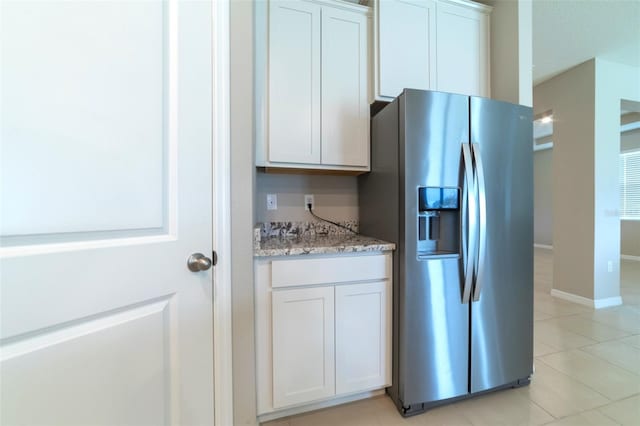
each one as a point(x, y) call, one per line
point(434, 323)
point(502, 306)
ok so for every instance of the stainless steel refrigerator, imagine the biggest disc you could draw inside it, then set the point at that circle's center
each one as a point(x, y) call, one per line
point(451, 183)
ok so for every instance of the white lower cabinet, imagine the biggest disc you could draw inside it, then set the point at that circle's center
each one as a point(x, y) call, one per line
point(322, 339)
point(303, 345)
point(363, 315)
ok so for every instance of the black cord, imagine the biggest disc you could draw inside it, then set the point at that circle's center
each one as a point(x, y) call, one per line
point(331, 222)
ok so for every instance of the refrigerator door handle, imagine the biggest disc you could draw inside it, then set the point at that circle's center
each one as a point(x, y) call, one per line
point(471, 220)
point(482, 225)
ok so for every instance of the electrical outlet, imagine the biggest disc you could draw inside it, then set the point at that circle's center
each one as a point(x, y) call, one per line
point(308, 199)
point(610, 266)
point(272, 202)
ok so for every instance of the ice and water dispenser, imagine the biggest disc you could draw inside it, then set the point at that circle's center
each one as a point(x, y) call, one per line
point(438, 222)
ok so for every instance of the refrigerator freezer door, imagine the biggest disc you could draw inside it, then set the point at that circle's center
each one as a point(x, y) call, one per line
point(502, 318)
point(434, 323)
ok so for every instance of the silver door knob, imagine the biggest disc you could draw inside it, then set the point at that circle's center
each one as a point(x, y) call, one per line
point(198, 262)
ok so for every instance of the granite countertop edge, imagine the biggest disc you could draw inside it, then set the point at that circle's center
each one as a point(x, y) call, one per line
point(317, 247)
point(317, 244)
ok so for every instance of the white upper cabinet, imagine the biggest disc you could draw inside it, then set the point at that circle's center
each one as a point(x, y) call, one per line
point(345, 110)
point(431, 44)
point(462, 50)
point(294, 82)
point(406, 40)
point(312, 77)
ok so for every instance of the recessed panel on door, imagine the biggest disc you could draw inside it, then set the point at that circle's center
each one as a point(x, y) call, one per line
point(363, 336)
point(407, 48)
point(303, 345)
point(294, 82)
point(462, 50)
point(129, 351)
point(345, 110)
point(85, 118)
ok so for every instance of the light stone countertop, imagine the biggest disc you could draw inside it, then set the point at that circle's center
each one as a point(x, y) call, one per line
point(291, 239)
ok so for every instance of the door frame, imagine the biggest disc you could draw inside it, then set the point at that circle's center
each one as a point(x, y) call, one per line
point(221, 145)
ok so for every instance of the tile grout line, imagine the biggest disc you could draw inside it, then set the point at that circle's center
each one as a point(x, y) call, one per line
point(607, 416)
point(609, 362)
point(581, 382)
point(543, 409)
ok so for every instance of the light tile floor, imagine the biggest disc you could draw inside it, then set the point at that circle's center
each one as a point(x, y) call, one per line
point(587, 371)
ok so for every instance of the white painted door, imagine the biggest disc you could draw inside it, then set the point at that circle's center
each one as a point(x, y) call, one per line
point(345, 107)
point(294, 82)
point(363, 336)
point(303, 345)
point(106, 190)
point(462, 50)
point(406, 46)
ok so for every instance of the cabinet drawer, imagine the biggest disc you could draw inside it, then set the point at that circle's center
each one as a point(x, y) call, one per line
point(296, 272)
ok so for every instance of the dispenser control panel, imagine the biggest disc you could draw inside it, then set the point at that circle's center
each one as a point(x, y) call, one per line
point(433, 198)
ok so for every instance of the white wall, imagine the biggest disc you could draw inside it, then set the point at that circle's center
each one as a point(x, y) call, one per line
point(242, 211)
point(336, 197)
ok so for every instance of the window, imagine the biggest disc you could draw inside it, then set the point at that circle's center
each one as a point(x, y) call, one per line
point(630, 185)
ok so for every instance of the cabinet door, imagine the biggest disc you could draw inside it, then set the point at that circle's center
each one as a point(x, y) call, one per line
point(462, 50)
point(363, 336)
point(294, 82)
point(345, 110)
point(303, 345)
point(406, 45)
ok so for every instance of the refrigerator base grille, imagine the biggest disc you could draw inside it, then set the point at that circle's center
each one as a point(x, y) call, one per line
point(419, 408)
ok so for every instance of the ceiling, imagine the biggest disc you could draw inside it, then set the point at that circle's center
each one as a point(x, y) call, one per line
point(569, 32)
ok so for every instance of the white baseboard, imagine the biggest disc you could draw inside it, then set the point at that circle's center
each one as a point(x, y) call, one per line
point(607, 302)
point(543, 246)
point(628, 257)
point(596, 304)
point(317, 405)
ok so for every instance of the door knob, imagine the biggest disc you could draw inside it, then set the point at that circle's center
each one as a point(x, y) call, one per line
point(198, 262)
